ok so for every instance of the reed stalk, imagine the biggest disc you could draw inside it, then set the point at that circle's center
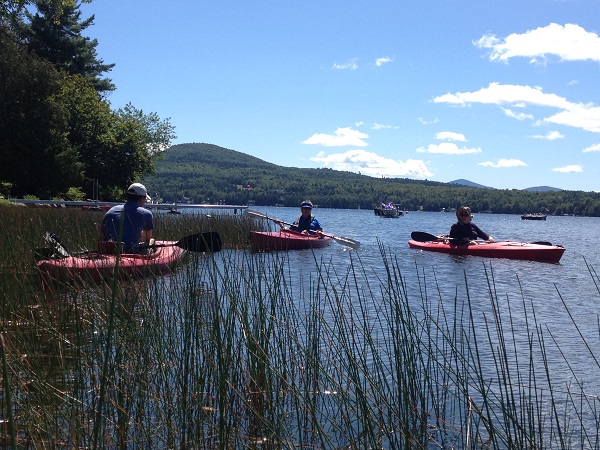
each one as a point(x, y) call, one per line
point(242, 350)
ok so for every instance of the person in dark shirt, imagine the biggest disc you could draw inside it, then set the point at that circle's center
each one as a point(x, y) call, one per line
point(465, 230)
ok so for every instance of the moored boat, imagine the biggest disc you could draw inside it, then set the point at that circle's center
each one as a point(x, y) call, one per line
point(390, 210)
point(287, 240)
point(544, 252)
point(534, 216)
point(94, 266)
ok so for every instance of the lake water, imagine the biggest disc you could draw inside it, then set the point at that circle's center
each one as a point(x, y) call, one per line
point(546, 287)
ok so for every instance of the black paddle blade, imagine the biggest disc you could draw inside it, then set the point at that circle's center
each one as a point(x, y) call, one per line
point(421, 236)
point(202, 242)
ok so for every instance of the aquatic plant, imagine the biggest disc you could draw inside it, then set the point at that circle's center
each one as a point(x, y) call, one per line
point(236, 350)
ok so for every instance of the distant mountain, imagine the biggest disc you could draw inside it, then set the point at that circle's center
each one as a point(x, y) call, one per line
point(207, 173)
point(463, 182)
point(543, 189)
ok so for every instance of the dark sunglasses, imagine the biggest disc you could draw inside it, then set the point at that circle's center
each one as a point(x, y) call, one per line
point(464, 214)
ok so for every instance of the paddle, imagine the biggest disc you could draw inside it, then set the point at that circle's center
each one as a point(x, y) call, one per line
point(421, 236)
point(209, 241)
point(340, 240)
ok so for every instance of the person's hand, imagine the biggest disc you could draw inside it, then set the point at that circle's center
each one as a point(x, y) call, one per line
point(490, 238)
point(278, 222)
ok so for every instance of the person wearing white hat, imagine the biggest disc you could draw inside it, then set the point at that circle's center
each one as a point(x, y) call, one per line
point(131, 223)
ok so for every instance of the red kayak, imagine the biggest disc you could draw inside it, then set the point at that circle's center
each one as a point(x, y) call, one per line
point(96, 267)
point(287, 240)
point(501, 249)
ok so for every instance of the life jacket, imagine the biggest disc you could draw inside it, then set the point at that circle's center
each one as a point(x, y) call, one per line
point(305, 225)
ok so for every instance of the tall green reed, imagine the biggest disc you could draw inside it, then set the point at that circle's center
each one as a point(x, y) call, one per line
point(236, 350)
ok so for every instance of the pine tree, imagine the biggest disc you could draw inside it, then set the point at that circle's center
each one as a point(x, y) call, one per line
point(55, 35)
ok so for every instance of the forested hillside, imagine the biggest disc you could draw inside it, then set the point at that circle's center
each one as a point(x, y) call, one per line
point(200, 173)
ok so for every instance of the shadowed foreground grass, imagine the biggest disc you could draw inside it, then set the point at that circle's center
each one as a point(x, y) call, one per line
point(233, 351)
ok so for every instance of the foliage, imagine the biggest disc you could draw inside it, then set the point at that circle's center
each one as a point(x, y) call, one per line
point(54, 34)
point(212, 174)
point(35, 154)
point(74, 194)
point(56, 130)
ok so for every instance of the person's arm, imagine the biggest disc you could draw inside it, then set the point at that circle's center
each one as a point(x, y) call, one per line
point(147, 236)
point(482, 234)
point(315, 225)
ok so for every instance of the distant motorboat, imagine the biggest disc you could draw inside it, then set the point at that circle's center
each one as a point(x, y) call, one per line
point(391, 210)
point(534, 216)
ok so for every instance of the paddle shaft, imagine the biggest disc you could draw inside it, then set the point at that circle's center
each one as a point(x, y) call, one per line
point(421, 236)
point(341, 240)
point(209, 241)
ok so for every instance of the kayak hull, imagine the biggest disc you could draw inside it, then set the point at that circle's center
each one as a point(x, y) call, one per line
point(286, 240)
point(94, 266)
point(501, 249)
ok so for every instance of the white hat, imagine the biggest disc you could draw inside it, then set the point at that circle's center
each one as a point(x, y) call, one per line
point(139, 190)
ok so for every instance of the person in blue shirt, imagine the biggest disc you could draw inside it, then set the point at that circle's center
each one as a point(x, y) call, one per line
point(306, 222)
point(465, 230)
point(131, 223)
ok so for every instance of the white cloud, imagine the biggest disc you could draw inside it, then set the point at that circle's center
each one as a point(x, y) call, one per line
point(503, 163)
point(351, 64)
point(448, 148)
point(518, 116)
point(450, 136)
point(372, 164)
point(342, 137)
point(574, 168)
point(592, 148)
point(380, 126)
point(502, 94)
point(428, 122)
point(569, 43)
point(381, 61)
point(550, 136)
point(586, 117)
point(577, 115)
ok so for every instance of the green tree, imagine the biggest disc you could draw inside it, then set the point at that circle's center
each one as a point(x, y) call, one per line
point(35, 154)
point(137, 141)
point(54, 33)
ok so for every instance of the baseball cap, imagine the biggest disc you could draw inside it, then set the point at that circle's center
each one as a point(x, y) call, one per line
point(139, 190)
point(306, 204)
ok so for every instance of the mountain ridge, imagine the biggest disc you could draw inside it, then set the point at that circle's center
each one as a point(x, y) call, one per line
point(207, 173)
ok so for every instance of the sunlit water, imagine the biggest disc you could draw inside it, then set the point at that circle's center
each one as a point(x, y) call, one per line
point(544, 286)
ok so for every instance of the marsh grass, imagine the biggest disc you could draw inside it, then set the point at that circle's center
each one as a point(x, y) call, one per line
point(234, 351)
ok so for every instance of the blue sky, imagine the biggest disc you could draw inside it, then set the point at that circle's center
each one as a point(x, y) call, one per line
point(503, 93)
